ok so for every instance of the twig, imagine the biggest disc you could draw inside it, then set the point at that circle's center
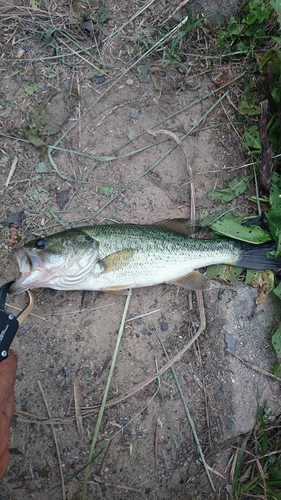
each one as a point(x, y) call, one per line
point(191, 422)
point(55, 439)
point(30, 314)
point(101, 467)
point(118, 486)
point(254, 367)
point(162, 370)
point(79, 420)
point(12, 170)
point(99, 420)
point(158, 423)
point(188, 167)
point(143, 315)
point(182, 4)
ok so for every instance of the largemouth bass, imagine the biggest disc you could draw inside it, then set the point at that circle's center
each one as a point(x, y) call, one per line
point(117, 257)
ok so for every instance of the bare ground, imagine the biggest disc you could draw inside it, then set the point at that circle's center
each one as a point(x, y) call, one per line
point(66, 344)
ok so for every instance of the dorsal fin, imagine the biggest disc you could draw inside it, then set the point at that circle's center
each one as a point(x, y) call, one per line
point(185, 227)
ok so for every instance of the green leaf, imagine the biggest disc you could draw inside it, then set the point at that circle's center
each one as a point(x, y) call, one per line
point(252, 139)
point(277, 291)
point(274, 213)
point(106, 189)
point(209, 219)
point(275, 191)
point(41, 168)
point(34, 4)
point(276, 341)
point(261, 279)
point(223, 272)
point(277, 6)
point(247, 106)
point(31, 89)
point(143, 75)
point(251, 234)
point(236, 187)
point(131, 135)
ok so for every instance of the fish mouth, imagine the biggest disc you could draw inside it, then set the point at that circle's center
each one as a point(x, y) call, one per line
point(29, 266)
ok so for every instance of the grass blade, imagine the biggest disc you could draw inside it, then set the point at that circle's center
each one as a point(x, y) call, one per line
point(98, 424)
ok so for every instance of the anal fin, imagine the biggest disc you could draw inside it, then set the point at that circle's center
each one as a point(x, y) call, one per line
point(191, 281)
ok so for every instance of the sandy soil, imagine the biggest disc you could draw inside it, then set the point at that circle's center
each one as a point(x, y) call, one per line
point(66, 345)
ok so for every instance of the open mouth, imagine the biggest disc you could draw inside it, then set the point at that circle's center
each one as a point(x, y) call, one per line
point(28, 264)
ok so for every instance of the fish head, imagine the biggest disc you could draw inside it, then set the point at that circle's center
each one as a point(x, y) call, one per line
point(61, 261)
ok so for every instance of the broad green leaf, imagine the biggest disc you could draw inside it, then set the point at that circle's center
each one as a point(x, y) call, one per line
point(252, 139)
point(277, 39)
point(277, 6)
point(208, 220)
point(224, 272)
point(276, 341)
point(235, 188)
point(232, 229)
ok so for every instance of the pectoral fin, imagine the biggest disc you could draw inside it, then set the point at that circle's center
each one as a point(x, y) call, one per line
point(191, 281)
point(116, 261)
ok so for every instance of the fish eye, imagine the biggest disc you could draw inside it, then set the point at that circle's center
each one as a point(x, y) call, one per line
point(41, 243)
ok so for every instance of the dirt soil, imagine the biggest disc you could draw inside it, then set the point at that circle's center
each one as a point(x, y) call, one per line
point(109, 168)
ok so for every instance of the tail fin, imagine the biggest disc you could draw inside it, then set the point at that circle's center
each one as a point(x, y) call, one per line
point(254, 257)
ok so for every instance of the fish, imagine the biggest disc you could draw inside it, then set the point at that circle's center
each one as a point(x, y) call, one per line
point(116, 257)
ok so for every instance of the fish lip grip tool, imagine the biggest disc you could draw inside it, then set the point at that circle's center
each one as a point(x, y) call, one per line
point(9, 323)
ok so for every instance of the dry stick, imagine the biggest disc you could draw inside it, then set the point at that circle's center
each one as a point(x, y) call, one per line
point(156, 443)
point(199, 297)
point(205, 396)
point(118, 486)
point(182, 4)
point(30, 314)
point(263, 478)
point(101, 467)
point(12, 170)
point(254, 367)
point(188, 168)
point(55, 439)
point(127, 70)
point(98, 424)
point(143, 315)
point(150, 379)
point(79, 420)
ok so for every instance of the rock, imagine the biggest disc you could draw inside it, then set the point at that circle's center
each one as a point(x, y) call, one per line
point(237, 326)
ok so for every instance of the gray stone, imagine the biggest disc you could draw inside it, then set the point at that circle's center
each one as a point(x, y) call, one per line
point(236, 325)
point(216, 10)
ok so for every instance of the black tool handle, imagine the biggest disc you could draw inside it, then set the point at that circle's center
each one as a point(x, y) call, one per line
point(8, 328)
